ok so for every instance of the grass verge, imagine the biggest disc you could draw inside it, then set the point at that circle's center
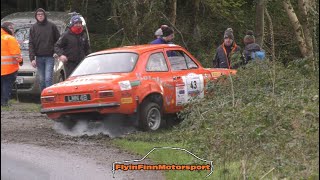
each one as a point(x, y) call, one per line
point(267, 129)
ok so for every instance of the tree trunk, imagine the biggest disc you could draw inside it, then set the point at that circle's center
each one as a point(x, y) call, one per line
point(75, 6)
point(304, 8)
point(296, 26)
point(56, 5)
point(194, 25)
point(171, 10)
point(259, 22)
point(135, 21)
point(273, 56)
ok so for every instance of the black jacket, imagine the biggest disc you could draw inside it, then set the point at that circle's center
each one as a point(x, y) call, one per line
point(42, 38)
point(74, 47)
point(222, 59)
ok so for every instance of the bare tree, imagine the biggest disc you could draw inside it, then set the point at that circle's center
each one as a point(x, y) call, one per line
point(301, 34)
point(304, 7)
point(194, 25)
point(259, 22)
point(273, 56)
point(171, 10)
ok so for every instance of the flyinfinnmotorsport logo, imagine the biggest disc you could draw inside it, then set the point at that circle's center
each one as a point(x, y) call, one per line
point(127, 166)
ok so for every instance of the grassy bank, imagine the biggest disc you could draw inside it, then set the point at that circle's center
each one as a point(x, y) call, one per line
point(261, 123)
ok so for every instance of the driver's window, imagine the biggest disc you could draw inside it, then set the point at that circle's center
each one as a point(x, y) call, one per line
point(156, 63)
point(177, 60)
point(191, 64)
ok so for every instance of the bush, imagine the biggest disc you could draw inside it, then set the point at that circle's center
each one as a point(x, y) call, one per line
point(271, 120)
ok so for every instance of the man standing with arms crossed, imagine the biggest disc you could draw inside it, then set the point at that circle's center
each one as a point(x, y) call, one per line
point(43, 35)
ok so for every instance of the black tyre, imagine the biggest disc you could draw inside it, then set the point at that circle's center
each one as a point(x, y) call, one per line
point(67, 122)
point(150, 116)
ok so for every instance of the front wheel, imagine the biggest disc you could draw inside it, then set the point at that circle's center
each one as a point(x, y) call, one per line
point(150, 116)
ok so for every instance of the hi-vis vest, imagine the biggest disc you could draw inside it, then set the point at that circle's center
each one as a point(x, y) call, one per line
point(10, 54)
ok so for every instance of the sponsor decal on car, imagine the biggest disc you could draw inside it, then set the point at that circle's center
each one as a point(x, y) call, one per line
point(214, 74)
point(125, 85)
point(126, 100)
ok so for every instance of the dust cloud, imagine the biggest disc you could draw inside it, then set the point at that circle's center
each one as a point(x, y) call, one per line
point(112, 126)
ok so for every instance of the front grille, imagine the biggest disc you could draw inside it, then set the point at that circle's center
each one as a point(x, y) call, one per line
point(22, 86)
point(26, 73)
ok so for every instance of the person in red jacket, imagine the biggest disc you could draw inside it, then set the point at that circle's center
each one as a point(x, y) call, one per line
point(73, 45)
point(10, 60)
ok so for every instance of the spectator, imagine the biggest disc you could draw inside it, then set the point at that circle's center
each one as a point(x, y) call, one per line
point(227, 52)
point(158, 32)
point(167, 36)
point(10, 58)
point(43, 35)
point(73, 45)
point(251, 47)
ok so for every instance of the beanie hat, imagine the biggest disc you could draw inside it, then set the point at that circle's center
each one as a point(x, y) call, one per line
point(158, 32)
point(5, 27)
point(75, 19)
point(228, 34)
point(249, 38)
point(41, 10)
point(166, 31)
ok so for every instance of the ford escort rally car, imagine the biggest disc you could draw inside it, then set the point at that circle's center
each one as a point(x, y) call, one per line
point(148, 81)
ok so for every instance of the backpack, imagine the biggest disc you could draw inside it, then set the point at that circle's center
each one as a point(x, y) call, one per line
point(258, 55)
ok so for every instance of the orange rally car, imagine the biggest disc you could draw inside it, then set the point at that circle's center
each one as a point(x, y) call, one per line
point(147, 81)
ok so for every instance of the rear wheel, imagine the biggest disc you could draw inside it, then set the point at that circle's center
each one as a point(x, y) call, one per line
point(150, 116)
point(67, 122)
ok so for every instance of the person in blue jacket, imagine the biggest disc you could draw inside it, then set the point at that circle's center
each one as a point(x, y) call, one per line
point(167, 36)
point(252, 50)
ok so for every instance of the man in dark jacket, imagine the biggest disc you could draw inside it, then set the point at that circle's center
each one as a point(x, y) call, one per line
point(225, 51)
point(73, 45)
point(251, 47)
point(166, 37)
point(43, 35)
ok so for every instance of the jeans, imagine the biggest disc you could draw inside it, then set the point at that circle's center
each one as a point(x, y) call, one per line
point(7, 82)
point(45, 70)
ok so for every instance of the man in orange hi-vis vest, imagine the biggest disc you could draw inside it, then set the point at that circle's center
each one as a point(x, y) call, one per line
point(10, 60)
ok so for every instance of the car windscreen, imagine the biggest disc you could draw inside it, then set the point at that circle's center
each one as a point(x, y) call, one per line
point(107, 63)
point(22, 36)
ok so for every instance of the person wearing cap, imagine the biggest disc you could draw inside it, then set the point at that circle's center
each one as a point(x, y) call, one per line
point(158, 32)
point(166, 37)
point(73, 45)
point(43, 35)
point(251, 47)
point(225, 51)
point(10, 60)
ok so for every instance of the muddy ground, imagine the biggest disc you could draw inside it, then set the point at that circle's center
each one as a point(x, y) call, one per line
point(35, 129)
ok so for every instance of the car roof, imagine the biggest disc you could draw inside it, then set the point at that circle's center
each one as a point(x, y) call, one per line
point(136, 48)
point(28, 18)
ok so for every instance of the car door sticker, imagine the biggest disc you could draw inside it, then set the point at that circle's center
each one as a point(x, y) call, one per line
point(193, 87)
point(124, 85)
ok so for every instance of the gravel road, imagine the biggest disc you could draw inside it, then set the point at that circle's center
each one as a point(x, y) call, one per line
point(29, 141)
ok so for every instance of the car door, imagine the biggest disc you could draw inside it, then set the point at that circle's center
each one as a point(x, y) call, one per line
point(187, 77)
point(157, 69)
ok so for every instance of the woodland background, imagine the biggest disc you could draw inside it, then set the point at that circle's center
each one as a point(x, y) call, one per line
point(262, 123)
point(286, 29)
